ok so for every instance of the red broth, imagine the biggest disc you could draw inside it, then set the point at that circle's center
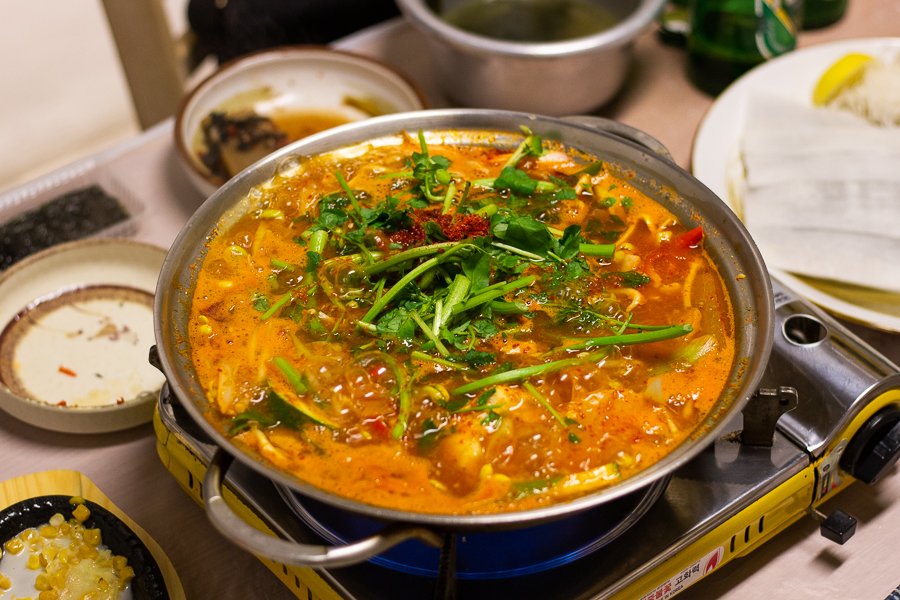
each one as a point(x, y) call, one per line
point(473, 331)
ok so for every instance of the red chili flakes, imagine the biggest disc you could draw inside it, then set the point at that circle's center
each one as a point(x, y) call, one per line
point(68, 372)
point(455, 227)
point(467, 226)
point(61, 403)
point(411, 236)
point(120, 400)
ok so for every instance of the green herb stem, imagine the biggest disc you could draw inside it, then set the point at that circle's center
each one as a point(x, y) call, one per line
point(518, 251)
point(490, 293)
point(533, 391)
point(391, 293)
point(526, 147)
point(658, 335)
point(456, 293)
point(475, 408)
point(274, 308)
point(406, 255)
point(627, 324)
point(438, 313)
point(430, 334)
point(280, 264)
point(317, 241)
point(417, 355)
point(601, 250)
point(508, 308)
point(448, 199)
point(368, 326)
point(488, 210)
point(350, 195)
point(526, 372)
point(409, 174)
point(293, 376)
point(356, 259)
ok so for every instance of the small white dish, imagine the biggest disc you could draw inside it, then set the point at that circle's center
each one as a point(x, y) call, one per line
point(291, 79)
point(713, 161)
point(76, 327)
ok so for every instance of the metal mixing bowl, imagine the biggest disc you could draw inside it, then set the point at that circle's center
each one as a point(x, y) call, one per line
point(552, 78)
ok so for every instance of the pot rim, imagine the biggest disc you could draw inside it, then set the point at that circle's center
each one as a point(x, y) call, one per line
point(755, 325)
point(620, 34)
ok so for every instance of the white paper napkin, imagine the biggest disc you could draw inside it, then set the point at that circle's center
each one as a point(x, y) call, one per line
point(822, 192)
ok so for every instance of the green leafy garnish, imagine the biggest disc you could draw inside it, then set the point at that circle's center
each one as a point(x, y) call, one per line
point(243, 421)
point(515, 180)
point(476, 359)
point(629, 278)
point(260, 302)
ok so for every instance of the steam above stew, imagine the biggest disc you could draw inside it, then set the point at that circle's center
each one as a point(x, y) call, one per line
point(455, 328)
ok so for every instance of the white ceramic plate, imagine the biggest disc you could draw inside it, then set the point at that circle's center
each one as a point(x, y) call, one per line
point(76, 327)
point(791, 76)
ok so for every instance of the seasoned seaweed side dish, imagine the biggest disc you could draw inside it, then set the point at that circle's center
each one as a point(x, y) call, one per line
point(72, 216)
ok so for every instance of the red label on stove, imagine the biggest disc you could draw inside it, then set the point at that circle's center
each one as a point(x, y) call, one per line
point(687, 576)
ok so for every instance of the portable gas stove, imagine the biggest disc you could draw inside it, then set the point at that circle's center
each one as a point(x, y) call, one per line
point(827, 413)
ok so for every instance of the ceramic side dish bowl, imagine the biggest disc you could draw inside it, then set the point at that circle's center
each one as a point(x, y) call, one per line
point(300, 89)
point(76, 326)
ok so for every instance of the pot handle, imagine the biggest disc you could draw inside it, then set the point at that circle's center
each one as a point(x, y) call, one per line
point(623, 131)
point(291, 553)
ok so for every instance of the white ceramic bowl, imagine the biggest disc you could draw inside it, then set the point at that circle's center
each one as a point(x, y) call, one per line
point(76, 328)
point(291, 78)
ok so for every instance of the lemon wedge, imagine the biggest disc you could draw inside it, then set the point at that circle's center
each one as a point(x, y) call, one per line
point(844, 73)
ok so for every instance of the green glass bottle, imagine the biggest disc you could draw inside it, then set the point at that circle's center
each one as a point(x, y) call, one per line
point(730, 37)
point(821, 13)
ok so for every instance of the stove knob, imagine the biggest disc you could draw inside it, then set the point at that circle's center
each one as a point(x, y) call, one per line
point(875, 447)
point(838, 527)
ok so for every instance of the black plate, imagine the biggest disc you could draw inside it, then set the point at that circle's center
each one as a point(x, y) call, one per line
point(148, 582)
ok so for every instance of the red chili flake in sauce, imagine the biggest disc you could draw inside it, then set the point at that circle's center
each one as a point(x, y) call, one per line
point(455, 227)
point(61, 403)
point(120, 400)
point(68, 372)
point(411, 236)
point(467, 226)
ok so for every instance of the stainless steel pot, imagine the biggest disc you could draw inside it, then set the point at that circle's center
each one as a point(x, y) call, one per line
point(551, 78)
point(725, 239)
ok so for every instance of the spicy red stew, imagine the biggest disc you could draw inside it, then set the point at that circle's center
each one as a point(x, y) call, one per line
point(457, 328)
